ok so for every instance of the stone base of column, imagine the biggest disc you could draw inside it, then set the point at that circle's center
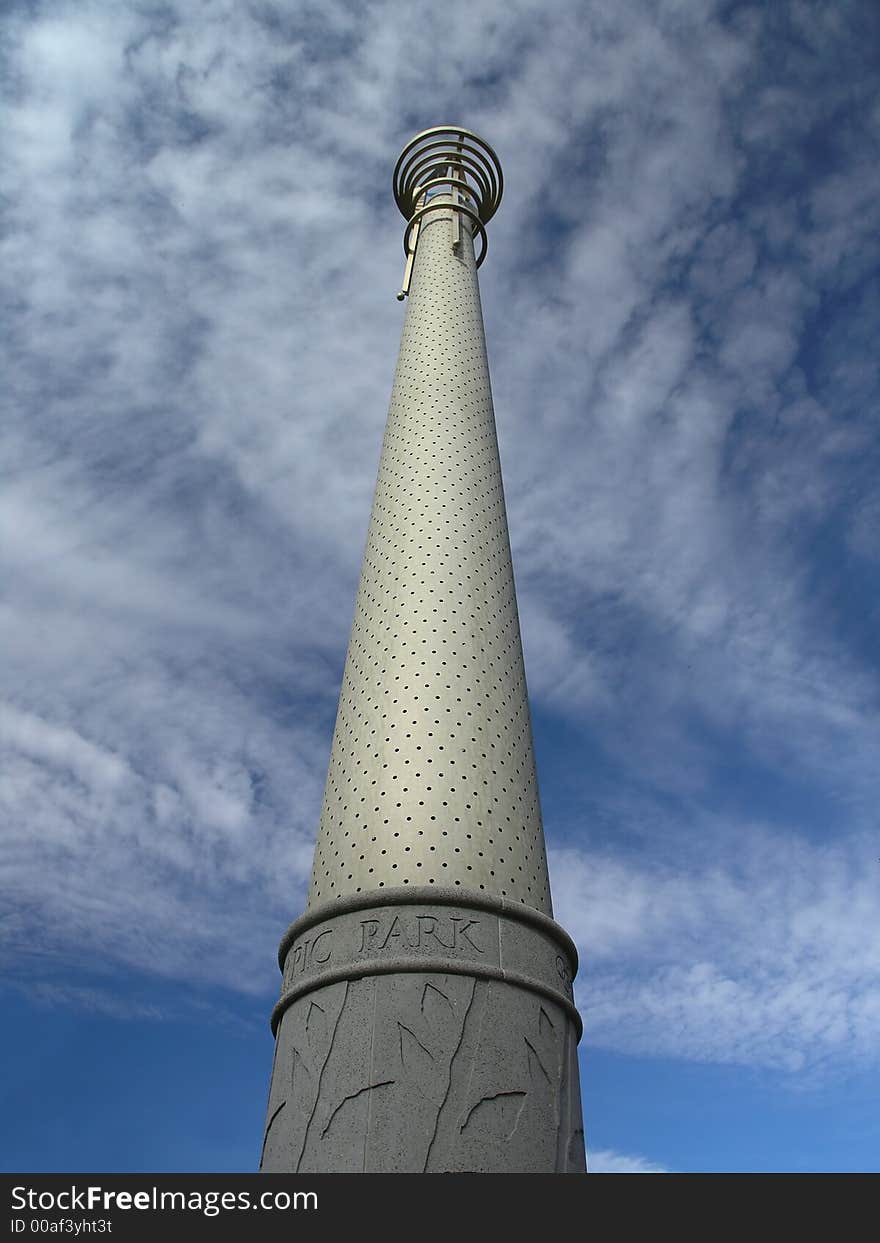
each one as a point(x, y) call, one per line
point(425, 1030)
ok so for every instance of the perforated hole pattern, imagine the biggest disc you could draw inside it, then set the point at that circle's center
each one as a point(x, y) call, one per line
point(432, 776)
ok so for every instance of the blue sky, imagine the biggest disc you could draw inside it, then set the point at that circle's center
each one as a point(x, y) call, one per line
point(200, 255)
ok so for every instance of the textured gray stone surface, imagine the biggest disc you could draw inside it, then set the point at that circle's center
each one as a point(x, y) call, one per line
point(437, 928)
point(422, 1069)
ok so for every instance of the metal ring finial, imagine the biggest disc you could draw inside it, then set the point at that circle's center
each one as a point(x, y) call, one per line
point(460, 170)
point(467, 159)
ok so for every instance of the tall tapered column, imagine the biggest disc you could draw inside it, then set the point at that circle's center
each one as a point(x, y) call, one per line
point(426, 1020)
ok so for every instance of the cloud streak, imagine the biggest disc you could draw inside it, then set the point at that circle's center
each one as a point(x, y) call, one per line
point(200, 254)
point(607, 1161)
point(758, 956)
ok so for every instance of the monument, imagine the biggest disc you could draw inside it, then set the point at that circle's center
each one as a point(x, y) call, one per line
point(426, 1021)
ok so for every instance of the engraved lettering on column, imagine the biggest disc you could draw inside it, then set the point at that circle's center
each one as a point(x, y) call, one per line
point(564, 974)
point(398, 932)
point(427, 927)
point(369, 928)
point(326, 951)
point(462, 934)
point(313, 951)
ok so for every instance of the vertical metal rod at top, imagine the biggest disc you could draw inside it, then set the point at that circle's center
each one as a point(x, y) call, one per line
point(457, 175)
point(411, 253)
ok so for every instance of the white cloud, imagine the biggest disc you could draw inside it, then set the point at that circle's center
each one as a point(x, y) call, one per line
point(606, 1161)
point(198, 275)
point(746, 946)
point(62, 748)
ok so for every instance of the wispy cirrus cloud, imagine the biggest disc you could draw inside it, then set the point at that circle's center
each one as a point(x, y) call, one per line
point(199, 260)
point(744, 945)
